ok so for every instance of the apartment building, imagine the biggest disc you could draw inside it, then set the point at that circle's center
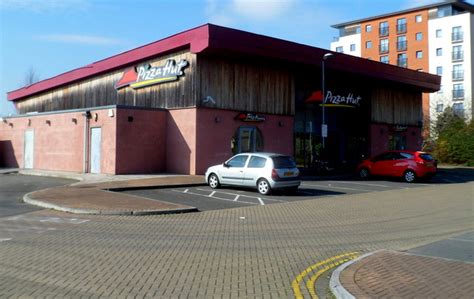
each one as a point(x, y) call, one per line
point(436, 38)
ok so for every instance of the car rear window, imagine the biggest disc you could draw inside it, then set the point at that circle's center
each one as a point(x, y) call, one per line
point(283, 162)
point(426, 157)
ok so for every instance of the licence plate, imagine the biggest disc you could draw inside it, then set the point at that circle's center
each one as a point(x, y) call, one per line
point(288, 173)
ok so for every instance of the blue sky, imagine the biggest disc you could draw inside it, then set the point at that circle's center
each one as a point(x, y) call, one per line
point(55, 36)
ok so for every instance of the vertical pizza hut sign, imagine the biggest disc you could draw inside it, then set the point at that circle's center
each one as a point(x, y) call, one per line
point(145, 75)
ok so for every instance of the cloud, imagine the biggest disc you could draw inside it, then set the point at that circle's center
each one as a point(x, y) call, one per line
point(227, 13)
point(42, 5)
point(79, 39)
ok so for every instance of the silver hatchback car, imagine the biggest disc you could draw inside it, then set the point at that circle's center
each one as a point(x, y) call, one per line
point(265, 171)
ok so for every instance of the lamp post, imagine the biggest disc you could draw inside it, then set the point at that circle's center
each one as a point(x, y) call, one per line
point(324, 128)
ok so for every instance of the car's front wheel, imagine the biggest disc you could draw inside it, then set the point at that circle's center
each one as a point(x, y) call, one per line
point(364, 173)
point(213, 181)
point(409, 176)
point(263, 187)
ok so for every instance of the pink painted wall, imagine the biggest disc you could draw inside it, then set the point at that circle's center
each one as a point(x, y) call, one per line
point(141, 144)
point(214, 138)
point(379, 138)
point(58, 145)
point(181, 141)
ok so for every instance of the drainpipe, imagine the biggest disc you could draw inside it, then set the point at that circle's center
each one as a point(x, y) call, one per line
point(85, 166)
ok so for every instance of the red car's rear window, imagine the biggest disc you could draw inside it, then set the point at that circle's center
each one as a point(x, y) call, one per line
point(426, 157)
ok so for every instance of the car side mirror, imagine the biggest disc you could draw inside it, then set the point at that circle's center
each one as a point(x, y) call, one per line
point(226, 165)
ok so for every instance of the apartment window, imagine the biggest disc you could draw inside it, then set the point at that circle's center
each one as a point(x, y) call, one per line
point(439, 33)
point(441, 90)
point(419, 54)
point(458, 53)
point(439, 52)
point(439, 108)
point(458, 109)
point(368, 44)
point(458, 72)
point(353, 47)
point(339, 49)
point(383, 48)
point(383, 28)
point(418, 18)
point(458, 91)
point(368, 28)
point(402, 60)
point(401, 25)
point(457, 34)
point(401, 43)
point(419, 36)
point(384, 59)
point(439, 70)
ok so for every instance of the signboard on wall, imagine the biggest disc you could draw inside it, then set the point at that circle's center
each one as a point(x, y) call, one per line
point(249, 117)
point(334, 99)
point(146, 75)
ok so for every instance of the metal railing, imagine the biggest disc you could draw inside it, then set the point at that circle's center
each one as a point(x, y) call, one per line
point(401, 28)
point(458, 55)
point(383, 49)
point(402, 46)
point(402, 62)
point(458, 75)
point(383, 31)
point(457, 36)
point(458, 94)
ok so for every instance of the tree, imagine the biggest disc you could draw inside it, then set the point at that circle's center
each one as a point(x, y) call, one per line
point(31, 76)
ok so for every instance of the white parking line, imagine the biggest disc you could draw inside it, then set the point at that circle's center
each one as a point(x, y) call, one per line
point(335, 187)
point(236, 197)
point(6, 239)
point(220, 198)
point(362, 184)
point(261, 201)
point(212, 193)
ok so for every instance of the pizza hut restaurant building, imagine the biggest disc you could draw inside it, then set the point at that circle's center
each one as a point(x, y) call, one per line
point(191, 100)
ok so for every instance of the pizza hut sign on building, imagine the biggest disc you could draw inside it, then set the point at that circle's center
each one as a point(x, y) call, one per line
point(145, 75)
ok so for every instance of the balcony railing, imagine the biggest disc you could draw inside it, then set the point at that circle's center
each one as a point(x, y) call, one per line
point(458, 94)
point(383, 31)
point(402, 62)
point(458, 56)
point(401, 28)
point(457, 37)
point(402, 46)
point(459, 112)
point(383, 49)
point(458, 75)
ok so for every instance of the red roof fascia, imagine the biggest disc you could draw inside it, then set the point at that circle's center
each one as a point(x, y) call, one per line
point(196, 39)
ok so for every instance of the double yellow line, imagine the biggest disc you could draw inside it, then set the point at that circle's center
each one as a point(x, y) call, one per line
point(326, 265)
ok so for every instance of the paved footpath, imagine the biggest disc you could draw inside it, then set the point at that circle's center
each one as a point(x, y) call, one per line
point(253, 252)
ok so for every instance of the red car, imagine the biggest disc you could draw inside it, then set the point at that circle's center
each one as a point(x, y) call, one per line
point(409, 165)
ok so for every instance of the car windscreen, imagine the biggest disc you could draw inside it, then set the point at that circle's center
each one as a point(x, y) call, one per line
point(283, 162)
point(426, 157)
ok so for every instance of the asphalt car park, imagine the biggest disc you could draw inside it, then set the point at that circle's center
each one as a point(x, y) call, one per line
point(205, 198)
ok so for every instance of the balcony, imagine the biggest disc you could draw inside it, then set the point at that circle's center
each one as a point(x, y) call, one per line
point(402, 46)
point(402, 62)
point(457, 37)
point(458, 94)
point(383, 49)
point(401, 28)
point(458, 75)
point(458, 56)
point(383, 31)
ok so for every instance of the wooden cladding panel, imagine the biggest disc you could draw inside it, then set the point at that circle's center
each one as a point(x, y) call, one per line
point(100, 91)
point(246, 86)
point(395, 106)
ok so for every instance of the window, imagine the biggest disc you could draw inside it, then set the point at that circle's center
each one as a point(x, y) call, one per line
point(368, 44)
point(238, 161)
point(418, 18)
point(439, 108)
point(401, 43)
point(383, 46)
point(368, 28)
point(402, 60)
point(384, 59)
point(339, 49)
point(458, 91)
point(419, 36)
point(353, 47)
point(257, 162)
point(458, 72)
point(457, 34)
point(283, 162)
point(439, 33)
point(419, 54)
point(439, 70)
point(458, 109)
point(441, 90)
point(458, 53)
point(383, 28)
point(439, 52)
point(401, 25)
point(405, 156)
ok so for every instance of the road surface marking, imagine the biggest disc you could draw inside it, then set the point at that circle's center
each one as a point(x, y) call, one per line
point(6, 239)
point(220, 198)
point(296, 282)
point(334, 187)
point(261, 201)
point(362, 184)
